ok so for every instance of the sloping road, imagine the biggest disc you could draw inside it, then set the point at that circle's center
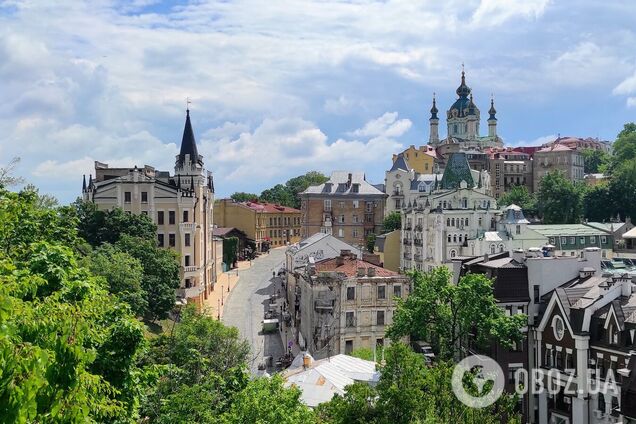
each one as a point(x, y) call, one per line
point(244, 307)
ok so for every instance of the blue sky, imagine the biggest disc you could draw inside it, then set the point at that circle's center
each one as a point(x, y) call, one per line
point(282, 87)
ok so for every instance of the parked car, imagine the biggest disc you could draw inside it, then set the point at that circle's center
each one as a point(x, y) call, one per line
point(424, 349)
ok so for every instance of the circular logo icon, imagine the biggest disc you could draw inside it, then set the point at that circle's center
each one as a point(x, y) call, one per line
point(478, 381)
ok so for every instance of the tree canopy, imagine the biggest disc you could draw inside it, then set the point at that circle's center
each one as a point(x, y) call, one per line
point(393, 221)
point(520, 196)
point(559, 199)
point(284, 194)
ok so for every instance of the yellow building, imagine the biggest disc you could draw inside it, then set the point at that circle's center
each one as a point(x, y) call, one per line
point(387, 246)
point(267, 224)
point(420, 159)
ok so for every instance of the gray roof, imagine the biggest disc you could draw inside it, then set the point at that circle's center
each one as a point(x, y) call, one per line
point(340, 184)
point(400, 163)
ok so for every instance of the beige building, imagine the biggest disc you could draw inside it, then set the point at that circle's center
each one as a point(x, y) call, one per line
point(180, 204)
point(266, 224)
point(557, 157)
point(346, 206)
point(508, 168)
point(345, 304)
point(387, 247)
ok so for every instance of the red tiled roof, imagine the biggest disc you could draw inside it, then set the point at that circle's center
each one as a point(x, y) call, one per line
point(350, 266)
point(269, 207)
point(557, 147)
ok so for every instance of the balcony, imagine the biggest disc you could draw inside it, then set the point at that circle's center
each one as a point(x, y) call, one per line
point(417, 242)
point(418, 228)
point(190, 271)
point(408, 227)
point(189, 292)
point(398, 193)
point(418, 258)
point(407, 242)
point(407, 256)
point(187, 226)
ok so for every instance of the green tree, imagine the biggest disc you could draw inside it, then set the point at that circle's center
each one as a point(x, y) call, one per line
point(122, 272)
point(454, 316)
point(624, 148)
point(299, 184)
point(370, 242)
point(97, 226)
point(594, 160)
point(520, 196)
point(598, 203)
point(356, 406)
point(622, 189)
point(241, 196)
point(7, 177)
point(230, 250)
point(68, 348)
point(393, 221)
point(279, 194)
point(161, 274)
point(560, 200)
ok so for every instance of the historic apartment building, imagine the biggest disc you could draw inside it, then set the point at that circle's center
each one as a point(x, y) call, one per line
point(180, 205)
point(346, 206)
point(346, 303)
point(557, 157)
point(509, 168)
point(267, 225)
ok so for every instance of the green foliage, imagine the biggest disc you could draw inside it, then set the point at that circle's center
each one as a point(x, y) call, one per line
point(160, 274)
point(598, 203)
point(447, 315)
point(520, 196)
point(288, 194)
point(97, 226)
point(393, 221)
point(67, 348)
point(122, 272)
point(7, 177)
point(560, 200)
point(594, 160)
point(622, 189)
point(230, 250)
point(241, 196)
point(410, 392)
point(624, 148)
point(370, 242)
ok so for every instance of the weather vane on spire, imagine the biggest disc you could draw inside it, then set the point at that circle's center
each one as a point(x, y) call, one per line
point(462, 67)
point(188, 101)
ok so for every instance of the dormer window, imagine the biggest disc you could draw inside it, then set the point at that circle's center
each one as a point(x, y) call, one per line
point(613, 335)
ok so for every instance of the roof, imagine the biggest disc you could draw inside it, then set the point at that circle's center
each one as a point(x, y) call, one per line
point(606, 226)
point(557, 147)
point(268, 207)
point(188, 143)
point(557, 230)
point(326, 377)
point(494, 236)
point(222, 231)
point(502, 263)
point(400, 163)
point(630, 234)
point(349, 265)
point(457, 170)
point(343, 182)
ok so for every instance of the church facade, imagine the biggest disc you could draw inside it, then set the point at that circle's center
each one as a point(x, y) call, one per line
point(181, 205)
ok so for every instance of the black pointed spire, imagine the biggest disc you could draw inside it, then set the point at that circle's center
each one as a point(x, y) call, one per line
point(434, 109)
point(492, 111)
point(90, 181)
point(83, 183)
point(188, 143)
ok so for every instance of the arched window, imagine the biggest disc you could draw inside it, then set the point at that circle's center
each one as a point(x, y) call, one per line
point(465, 203)
point(452, 222)
point(460, 238)
point(453, 253)
point(454, 238)
point(448, 222)
point(449, 238)
point(501, 248)
point(444, 204)
point(492, 249)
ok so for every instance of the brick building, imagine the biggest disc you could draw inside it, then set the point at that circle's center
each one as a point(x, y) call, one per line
point(265, 224)
point(346, 206)
point(557, 157)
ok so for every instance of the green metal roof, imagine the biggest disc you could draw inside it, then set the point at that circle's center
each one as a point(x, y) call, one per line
point(564, 230)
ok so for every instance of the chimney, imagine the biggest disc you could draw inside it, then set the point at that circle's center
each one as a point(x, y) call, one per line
point(361, 272)
point(370, 272)
point(485, 257)
point(518, 255)
point(306, 360)
point(593, 256)
point(340, 260)
point(350, 178)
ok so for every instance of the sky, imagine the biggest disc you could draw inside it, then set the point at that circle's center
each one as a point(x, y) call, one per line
point(278, 88)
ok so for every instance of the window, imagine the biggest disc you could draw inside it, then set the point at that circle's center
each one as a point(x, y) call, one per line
point(572, 240)
point(187, 239)
point(159, 217)
point(379, 318)
point(348, 346)
point(492, 249)
point(369, 206)
point(340, 232)
point(160, 240)
point(144, 213)
point(341, 205)
point(171, 217)
point(518, 229)
point(397, 290)
point(172, 240)
point(603, 239)
point(127, 197)
point(187, 260)
point(328, 204)
point(350, 319)
point(144, 197)
point(592, 239)
point(381, 292)
point(355, 233)
point(537, 297)
point(356, 204)
point(453, 253)
point(185, 216)
point(582, 240)
point(564, 240)
point(351, 293)
point(341, 219)
point(355, 218)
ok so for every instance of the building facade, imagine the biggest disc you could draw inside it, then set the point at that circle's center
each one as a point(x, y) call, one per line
point(509, 168)
point(421, 160)
point(572, 239)
point(266, 225)
point(346, 303)
point(557, 157)
point(346, 206)
point(181, 205)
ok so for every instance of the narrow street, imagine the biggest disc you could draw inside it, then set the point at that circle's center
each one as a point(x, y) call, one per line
point(245, 306)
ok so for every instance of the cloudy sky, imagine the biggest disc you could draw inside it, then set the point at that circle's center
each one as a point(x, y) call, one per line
point(282, 87)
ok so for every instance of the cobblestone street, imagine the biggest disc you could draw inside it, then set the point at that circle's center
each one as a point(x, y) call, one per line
point(245, 306)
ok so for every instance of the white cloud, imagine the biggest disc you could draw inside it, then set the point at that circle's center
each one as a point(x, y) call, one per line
point(627, 86)
point(496, 12)
point(631, 102)
point(386, 125)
